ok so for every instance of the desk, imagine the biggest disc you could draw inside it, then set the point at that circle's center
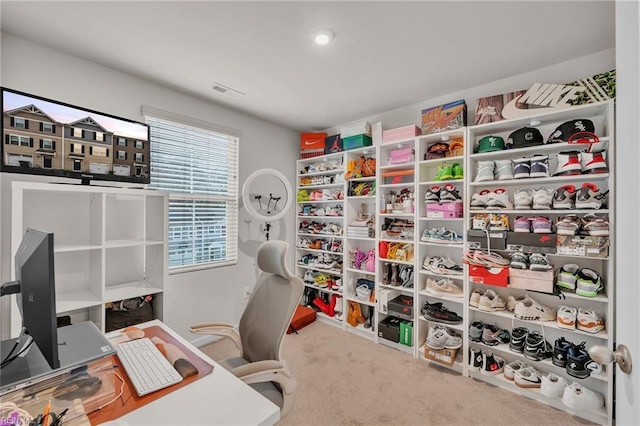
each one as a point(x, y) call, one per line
point(219, 398)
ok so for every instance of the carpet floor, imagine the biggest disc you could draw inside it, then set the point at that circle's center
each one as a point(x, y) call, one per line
point(344, 379)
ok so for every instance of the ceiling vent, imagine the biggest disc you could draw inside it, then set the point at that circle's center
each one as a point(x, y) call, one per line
point(226, 90)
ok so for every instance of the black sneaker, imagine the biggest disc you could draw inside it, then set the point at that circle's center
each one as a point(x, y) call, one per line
point(518, 337)
point(536, 348)
point(475, 331)
point(491, 364)
point(475, 359)
point(579, 363)
point(437, 312)
point(560, 349)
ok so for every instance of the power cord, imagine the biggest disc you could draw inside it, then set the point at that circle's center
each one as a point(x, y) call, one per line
point(24, 349)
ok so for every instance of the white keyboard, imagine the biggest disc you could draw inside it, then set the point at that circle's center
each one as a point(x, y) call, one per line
point(146, 367)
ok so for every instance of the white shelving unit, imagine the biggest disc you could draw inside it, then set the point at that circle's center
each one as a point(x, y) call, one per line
point(109, 244)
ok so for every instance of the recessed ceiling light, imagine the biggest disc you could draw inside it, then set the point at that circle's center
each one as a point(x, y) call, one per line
point(322, 37)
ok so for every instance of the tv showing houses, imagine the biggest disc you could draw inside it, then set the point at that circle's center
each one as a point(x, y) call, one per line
point(43, 136)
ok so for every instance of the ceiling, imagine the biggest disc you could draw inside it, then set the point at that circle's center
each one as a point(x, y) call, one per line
point(385, 54)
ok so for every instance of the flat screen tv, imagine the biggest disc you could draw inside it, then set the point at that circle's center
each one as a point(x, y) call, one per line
point(46, 137)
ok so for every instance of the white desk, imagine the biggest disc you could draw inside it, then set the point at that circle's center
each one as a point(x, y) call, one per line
point(219, 398)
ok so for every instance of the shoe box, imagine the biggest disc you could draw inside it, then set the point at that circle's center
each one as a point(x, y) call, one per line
point(530, 242)
point(478, 239)
point(399, 176)
point(406, 333)
point(444, 210)
point(356, 141)
point(389, 328)
point(401, 306)
point(491, 276)
point(442, 356)
point(582, 245)
point(541, 281)
point(384, 296)
point(449, 116)
point(400, 133)
point(312, 144)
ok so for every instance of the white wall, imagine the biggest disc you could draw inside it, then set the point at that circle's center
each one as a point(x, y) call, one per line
point(207, 295)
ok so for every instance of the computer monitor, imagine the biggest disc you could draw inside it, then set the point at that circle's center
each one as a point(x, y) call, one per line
point(35, 280)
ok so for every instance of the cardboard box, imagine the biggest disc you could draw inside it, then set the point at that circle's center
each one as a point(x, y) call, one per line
point(489, 276)
point(406, 333)
point(312, 144)
point(531, 280)
point(478, 239)
point(582, 245)
point(443, 356)
point(333, 144)
point(444, 117)
point(383, 298)
point(389, 328)
point(376, 133)
point(444, 210)
point(399, 176)
point(400, 133)
point(359, 128)
point(357, 141)
point(531, 239)
point(401, 306)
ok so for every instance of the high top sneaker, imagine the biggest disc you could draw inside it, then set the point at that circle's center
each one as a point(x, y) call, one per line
point(491, 364)
point(504, 170)
point(590, 197)
point(560, 349)
point(521, 168)
point(579, 363)
point(449, 194)
point(539, 166)
point(565, 197)
point(593, 162)
point(485, 171)
point(475, 359)
point(536, 348)
point(568, 163)
point(432, 195)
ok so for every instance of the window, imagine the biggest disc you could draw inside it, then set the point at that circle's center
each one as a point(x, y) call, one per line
point(138, 158)
point(99, 136)
point(99, 151)
point(122, 155)
point(76, 148)
point(78, 133)
point(139, 144)
point(77, 165)
point(46, 162)
point(122, 141)
point(197, 163)
point(20, 140)
point(20, 123)
point(47, 127)
point(47, 144)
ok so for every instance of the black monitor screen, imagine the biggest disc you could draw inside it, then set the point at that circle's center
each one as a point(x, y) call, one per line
point(37, 299)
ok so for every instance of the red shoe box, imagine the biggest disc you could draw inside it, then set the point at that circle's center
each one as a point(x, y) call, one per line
point(444, 210)
point(489, 276)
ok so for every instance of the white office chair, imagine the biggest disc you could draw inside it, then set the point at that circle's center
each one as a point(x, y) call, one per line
point(262, 328)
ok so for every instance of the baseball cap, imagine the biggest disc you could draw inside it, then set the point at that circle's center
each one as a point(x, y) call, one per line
point(574, 131)
point(438, 147)
point(522, 138)
point(489, 144)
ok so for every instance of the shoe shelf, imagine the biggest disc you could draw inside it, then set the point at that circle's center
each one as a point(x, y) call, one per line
point(360, 271)
point(425, 243)
point(458, 364)
point(397, 346)
point(541, 211)
point(400, 262)
point(400, 215)
point(435, 274)
point(440, 182)
point(597, 177)
point(396, 167)
point(393, 185)
point(458, 300)
point(552, 148)
point(436, 161)
point(322, 186)
point(459, 327)
point(404, 290)
point(321, 173)
point(560, 255)
point(332, 236)
point(317, 201)
point(360, 197)
point(362, 239)
point(310, 250)
point(360, 301)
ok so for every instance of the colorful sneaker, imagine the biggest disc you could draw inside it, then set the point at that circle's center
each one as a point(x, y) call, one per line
point(432, 195)
point(560, 350)
point(518, 338)
point(539, 262)
point(593, 162)
point(513, 367)
point(541, 225)
point(490, 260)
point(523, 199)
point(522, 224)
point(536, 348)
point(491, 364)
point(475, 359)
point(521, 168)
point(567, 276)
point(529, 309)
point(441, 337)
point(485, 171)
point(579, 363)
point(589, 283)
point(458, 171)
point(491, 302)
point(568, 225)
point(443, 288)
point(539, 166)
point(527, 378)
point(479, 199)
point(519, 260)
point(446, 266)
point(566, 317)
point(498, 222)
point(504, 170)
point(565, 197)
point(499, 199)
point(445, 172)
point(595, 226)
point(449, 194)
point(589, 321)
point(543, 198)
point(493, 335)
point(552, 385)
point(475, 331)
point(590, 197)
point(568, 164)
point(578, 397)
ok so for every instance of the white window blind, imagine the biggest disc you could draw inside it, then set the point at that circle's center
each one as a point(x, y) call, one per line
point(199, 169)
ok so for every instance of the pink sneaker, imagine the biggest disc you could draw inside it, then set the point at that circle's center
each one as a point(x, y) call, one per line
point(522, 224)
point(541, 225)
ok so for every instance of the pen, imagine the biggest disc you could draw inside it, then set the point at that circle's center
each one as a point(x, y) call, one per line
point(45, 415)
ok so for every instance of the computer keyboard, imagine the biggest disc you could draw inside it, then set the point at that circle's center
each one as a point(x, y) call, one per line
point(146, 367)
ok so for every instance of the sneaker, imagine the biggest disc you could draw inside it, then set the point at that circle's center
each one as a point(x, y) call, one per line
point(552, 385)
point(491, 302)
point(449, 194)
point(485, 171)
point(474, 300)
point(565, 197)
point(493, 335)
point(579, 363)
point(595, 226)
point(593, 162)
point(480, 199)
point(527, 378)
point(475, 359)
point(529, 309)
point(590, 197)
point(512, 300)
point(589, 283)
point(568, 225)
point(491, 364)
point(441, 337)
point(541, 225)
point(519, 260)
point(543, 198)
point(560, 350)
point(475, 331)
point(589, 321)
point(539, 166)
point(536, 348)
point(432, 195)
point(499, 199)
point(518, 338)
point(513, 367)
point(522, 224)
point(490, 260)
point(498, 222)
point(539, 262)
point(446, 266)
point(523, 199)
point(578, 397)
point(566, 317)
point(437, 312)
point(445, 172)
point(521, 168)
point(458, 171)
point(443, 288)
point(504, 170)
point(567, 276)
point(568, 164)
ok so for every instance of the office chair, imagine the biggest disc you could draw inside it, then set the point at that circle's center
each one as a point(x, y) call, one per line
point(262, 328)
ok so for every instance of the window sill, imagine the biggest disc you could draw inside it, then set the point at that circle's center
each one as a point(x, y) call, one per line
point(193, 268)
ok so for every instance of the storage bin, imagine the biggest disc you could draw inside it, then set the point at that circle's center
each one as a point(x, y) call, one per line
point(357, 141)
point(398, 176)
point(531, 280)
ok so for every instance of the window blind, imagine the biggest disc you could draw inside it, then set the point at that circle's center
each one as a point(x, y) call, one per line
point(198, 167)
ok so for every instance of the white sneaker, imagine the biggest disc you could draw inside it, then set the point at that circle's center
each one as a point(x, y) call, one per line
point(566, 317)
point(485, 171)
point(441, 337)
point(491, 302)
point(578, 397)
point(499, 199)
point(474, 300)
point(523, 198)
point(589, 321)
point(552, 385)
point(529, 309)
point(511, 368)
point(543, 198)
point(512, 301)
point(504, 170)
point(527, 378)
point(480, 199)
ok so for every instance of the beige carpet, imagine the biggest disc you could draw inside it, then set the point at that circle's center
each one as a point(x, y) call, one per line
point(344, 379)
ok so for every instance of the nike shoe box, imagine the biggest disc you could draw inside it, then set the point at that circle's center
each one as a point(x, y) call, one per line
point(333, 144)
point(357, 141)
point(406, 333)
point(526, 279)
point(477, 239)
point(312, 144)
point(444, 210)
point(399, 176)
point(401, 306)
point(389, 328)
point(490, 276)
point(442, 356)
point(582, 245)
point(530, 242)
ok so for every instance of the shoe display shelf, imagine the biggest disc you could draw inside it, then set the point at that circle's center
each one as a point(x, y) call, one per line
point(396, 242)
point(360, 242)
point(503, 189)
point(440, 239)
point(320, 234)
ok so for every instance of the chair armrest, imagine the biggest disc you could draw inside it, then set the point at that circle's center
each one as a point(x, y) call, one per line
point(266, 371)
point(222, 329)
